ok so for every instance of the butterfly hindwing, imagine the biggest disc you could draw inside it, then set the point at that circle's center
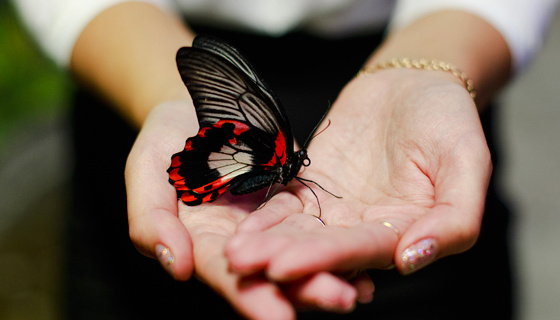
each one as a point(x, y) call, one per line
point(244, 137)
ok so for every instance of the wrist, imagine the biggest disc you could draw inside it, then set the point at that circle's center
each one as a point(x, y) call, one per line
point(377, 95)
point(141, 108)
point(456, 37)
point(423, 64)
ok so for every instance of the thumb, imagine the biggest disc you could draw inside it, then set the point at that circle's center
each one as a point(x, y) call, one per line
point(154, 226)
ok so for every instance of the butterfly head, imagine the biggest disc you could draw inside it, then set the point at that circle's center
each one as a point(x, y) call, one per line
point(303, 158)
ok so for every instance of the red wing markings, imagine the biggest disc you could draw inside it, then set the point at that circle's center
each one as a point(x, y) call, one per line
point(279, 156)
point(234, 159)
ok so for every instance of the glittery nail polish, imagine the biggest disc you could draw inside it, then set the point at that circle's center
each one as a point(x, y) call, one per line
point(418, 255)
point(165, 258)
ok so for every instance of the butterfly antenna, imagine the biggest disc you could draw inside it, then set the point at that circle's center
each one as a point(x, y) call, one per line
point(318, 133)
point(312, 135)
point(318, 185)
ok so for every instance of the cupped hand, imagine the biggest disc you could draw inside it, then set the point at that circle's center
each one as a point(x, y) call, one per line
point(406, 151)
point(192, 240)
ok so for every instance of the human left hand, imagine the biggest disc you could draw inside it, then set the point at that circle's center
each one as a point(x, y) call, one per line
point(193, 239)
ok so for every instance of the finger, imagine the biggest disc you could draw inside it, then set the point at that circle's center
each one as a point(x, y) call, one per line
point(365, 288)
point(300, 246)
point(154, 226)
point(336, 249)
point(250, 253)
point(453, 224)
point(253, 297)
point(274, 211)
point(257, 298)
point(323, 291)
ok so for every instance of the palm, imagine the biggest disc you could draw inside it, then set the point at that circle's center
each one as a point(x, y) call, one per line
point(212, 225)
point(405, 161)
point(418, 161)
point(197, 236)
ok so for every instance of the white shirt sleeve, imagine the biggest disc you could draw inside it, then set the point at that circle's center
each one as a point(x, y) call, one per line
point(57, 24)
point(522, 23)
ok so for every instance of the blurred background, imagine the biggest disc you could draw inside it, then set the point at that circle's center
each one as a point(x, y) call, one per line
point(35, 167)
point(34, 174)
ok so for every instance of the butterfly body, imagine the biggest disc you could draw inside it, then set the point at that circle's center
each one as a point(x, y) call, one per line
point(244, 142)
point(281, 175)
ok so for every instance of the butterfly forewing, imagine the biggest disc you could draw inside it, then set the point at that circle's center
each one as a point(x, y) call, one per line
point(232, 55)
point(221, 91)
point(244, 138)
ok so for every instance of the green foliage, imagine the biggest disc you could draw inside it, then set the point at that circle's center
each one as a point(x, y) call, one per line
point(31, 86)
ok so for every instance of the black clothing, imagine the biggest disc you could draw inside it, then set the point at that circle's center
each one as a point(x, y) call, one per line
point(109, 279)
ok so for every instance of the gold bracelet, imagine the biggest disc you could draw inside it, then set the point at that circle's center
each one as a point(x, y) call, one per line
point(424, 64)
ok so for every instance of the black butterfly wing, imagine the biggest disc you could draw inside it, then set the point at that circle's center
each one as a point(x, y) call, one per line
point(232, 55)
point(244, 137)
point(220, 68)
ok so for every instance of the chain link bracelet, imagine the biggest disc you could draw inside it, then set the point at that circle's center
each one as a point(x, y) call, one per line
point(424, 64)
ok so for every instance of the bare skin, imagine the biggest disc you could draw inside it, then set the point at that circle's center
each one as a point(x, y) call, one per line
point(415, 156)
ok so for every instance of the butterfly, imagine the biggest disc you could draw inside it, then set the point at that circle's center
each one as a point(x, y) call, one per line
point(245, 142)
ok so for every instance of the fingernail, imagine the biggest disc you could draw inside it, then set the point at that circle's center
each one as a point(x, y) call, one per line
point(165, 258)
point(418, 255)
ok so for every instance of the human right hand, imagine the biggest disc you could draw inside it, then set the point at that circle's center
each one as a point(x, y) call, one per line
point(406, 150)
